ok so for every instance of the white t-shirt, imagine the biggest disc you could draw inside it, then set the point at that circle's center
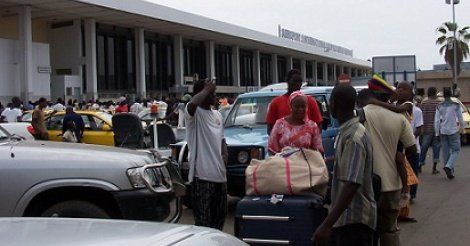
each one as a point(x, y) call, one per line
point(11, 115)
point(417, 122)
point(136, 108)
point(205, 145)
point(58, 107)
point(180, 111)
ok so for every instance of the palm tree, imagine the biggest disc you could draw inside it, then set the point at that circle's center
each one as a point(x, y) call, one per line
point(462, 37)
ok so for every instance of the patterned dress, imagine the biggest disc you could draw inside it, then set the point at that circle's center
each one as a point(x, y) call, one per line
point(284, 135)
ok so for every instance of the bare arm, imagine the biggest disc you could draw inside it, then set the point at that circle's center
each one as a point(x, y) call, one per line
point(199, 98)
point(395, 108)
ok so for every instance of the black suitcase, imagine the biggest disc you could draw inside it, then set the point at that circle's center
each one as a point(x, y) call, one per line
point(291, 221)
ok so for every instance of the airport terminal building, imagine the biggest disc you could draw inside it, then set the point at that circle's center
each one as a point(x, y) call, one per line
point(82, 49)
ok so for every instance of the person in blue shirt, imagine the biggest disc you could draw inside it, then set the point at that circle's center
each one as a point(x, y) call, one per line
point(448, 124)
point(70, 115)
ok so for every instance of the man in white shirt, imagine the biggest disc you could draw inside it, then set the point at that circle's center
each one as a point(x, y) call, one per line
point(416, 125)
point(11, 114)
point(448, 123)
point(59, 106)
point(136, 107)
point(207, 158)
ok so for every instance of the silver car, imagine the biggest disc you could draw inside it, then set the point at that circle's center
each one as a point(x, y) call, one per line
point(65, 231)
point(40, 178)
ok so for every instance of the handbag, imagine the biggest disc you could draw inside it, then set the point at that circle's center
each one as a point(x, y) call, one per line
point(291, 172)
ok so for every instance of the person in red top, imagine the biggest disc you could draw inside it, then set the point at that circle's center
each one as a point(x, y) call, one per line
point(122, 108)
point(280, 107)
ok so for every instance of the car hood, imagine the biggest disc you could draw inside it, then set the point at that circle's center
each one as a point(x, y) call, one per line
point(49, 150)
point(246, 136)
point(98, 232)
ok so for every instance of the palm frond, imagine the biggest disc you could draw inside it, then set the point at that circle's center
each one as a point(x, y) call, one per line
point(451, 26)
point(442, 30)
point(441, 40)
point(442, 49)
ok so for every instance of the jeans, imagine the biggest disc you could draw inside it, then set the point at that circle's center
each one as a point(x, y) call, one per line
point(450, 149)
point(426, 141)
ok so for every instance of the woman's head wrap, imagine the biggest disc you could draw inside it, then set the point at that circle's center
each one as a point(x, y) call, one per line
point(296, 94)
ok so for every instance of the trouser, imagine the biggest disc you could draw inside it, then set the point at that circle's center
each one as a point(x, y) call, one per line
point(209, 201)
point(387, 211)
point(426, 141)
point(450, 149)
point(352, 235)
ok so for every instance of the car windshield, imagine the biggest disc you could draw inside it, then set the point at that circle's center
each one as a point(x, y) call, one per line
point(145, 114)
point(106, 116)
point(248, 111)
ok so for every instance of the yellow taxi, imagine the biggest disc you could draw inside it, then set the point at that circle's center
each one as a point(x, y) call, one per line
point(98, 127)
point(465, 114)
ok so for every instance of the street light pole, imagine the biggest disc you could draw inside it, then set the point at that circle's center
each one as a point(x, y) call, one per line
point(455, 44)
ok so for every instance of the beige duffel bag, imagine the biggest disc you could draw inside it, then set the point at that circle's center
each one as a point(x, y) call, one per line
point(292, 172)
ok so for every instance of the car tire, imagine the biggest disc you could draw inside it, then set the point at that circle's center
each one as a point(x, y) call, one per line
point(75, 209)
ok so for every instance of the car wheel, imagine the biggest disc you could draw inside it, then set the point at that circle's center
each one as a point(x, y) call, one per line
point(75, 209)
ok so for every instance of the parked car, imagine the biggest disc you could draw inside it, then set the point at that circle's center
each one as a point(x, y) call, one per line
point(466, 119)
point(66, 231)
point(21, 129)
point(50, 179)
point(98, 127)
point(247, 138)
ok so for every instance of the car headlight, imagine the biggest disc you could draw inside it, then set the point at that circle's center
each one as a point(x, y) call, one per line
point(154, 176)
point(243, 157)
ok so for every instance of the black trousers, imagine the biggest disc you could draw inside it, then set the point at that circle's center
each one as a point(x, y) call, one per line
point(209, 201)
point(352, 235)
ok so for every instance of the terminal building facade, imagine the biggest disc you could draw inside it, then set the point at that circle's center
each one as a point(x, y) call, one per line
point(83, 49)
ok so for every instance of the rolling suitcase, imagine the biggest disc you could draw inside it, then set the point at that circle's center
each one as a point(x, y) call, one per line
point(259, 220)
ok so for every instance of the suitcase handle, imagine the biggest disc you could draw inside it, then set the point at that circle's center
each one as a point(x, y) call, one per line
point(264, 217)
point(266, 241)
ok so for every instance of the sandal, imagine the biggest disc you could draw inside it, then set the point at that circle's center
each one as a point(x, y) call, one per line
point(435, 171)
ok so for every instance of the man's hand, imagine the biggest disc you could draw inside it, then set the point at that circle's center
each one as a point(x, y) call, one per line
point(210, 86)
point(321, 235)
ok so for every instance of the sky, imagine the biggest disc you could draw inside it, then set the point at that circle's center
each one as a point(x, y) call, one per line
point(368, 27)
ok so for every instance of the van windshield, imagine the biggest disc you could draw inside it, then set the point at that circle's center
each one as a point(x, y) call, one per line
point(248, 111)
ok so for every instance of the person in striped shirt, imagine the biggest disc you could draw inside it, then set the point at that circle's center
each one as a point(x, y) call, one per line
point(428, 106)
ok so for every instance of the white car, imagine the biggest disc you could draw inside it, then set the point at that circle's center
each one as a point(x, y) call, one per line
point(22, 129)
point(70, 232)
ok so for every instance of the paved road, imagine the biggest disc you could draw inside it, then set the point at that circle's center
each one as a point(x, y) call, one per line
point(442, 208)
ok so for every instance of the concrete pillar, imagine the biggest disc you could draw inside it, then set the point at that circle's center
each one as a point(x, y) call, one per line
point(348, 71)
point(315, 73)
point(257, 68)
point(303, 69)
point(140, 62)
point(236, 65)
point(210, 58)
point(274, 69)
point(179, 60)
point(290, 63)
point(26, 53)
point(90, 59)
point(334, 73)
point(325, 72)
point(341, 69)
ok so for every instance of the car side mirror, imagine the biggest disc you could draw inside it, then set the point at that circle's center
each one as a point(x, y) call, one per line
point(106, 127)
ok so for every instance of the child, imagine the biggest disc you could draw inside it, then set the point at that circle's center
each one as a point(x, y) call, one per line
point(69, 134)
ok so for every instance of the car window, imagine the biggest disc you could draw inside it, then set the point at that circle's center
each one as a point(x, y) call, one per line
point(324, 108)
point(3, 133)
point(27, 117)
point(86, 122)
point(55, 122)
point(248, 111)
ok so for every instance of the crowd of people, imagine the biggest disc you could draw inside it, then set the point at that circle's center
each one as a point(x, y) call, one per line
point(385, 142)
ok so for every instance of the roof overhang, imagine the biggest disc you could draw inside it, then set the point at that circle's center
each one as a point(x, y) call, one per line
point(169, 21)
